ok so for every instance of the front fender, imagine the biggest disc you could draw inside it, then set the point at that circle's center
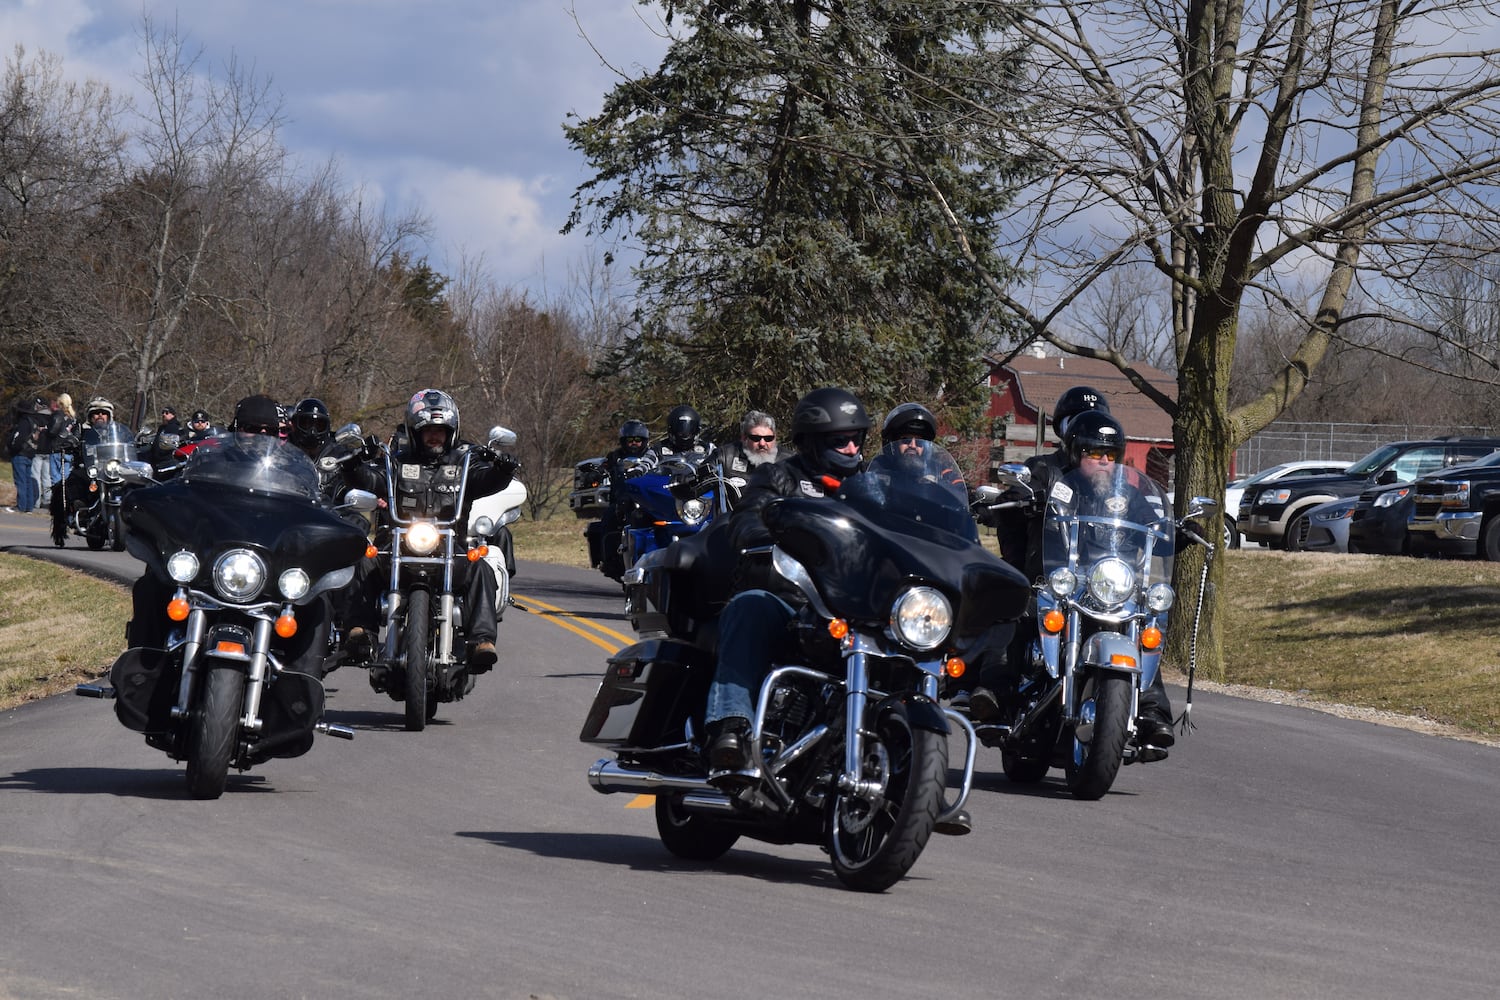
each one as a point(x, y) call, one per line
point(1112, 651)
point(921, 711)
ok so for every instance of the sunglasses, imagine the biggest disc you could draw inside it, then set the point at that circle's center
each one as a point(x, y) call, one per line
point(260, 429)
point(761, 437)
point(1100, 455)
point(635, 440)
point(841, 441)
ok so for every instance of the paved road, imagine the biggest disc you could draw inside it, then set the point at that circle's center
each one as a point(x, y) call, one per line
point(1279, 852)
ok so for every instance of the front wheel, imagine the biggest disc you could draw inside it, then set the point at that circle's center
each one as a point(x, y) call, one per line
point(214, 732)
point(688, 835)
point(418, 626)
point(116, 532)
point(874, 841)
point(1231, 533)
point(1093, 765)
point(1489, 540)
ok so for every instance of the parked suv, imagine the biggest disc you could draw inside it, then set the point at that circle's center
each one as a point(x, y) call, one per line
point(1269, 513)
point(1235, 491)
point(1457, 512)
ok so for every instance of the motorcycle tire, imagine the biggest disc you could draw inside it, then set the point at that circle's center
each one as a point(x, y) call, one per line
point(1023, 770)
point(96, 542)
point(1092, 766)
point(213, 732)
point(117, 534)
point(873, 845)
point(414, 640)
point(690, 836)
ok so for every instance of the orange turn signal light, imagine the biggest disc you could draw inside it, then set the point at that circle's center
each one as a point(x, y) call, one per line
point(371, 552)
point(1151, 637)
point(1121, 660)
point(286, 625)
point(1053, 621)
point(955, 666)
point(233, 648)
point(478, 553)
point(177, 609)
point(838, 628)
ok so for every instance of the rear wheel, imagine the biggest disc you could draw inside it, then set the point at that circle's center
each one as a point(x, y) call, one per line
point(1023, 770)
point(688, 835)
point(214, 731)
point(418, 626)
point(1092, 768)
point(1489, 539)
point(874, 841)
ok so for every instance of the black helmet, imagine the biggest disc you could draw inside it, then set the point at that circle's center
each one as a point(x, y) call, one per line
point(1079, 399)
point(824, 413)
point(637, 430)
point(199, 417)
point(909, 420)
point(257, 415)
point(311, 424)
point(683, 425)
point(432, 408)
point(1094, 430)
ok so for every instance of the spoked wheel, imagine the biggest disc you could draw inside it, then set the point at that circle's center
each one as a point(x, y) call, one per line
point(874, 841)
point(213, 732)
point(690, 836)
point(418, 624)
point(1093, 765)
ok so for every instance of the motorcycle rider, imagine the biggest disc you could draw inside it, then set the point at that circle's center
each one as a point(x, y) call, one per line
point(312, 426)
point(199, 427)
point(97, 414)
point(166, 439)
point(633, 457)
point(427, 475)
point(912, 429)
point(681, 439)
point(756, 447)
point(828, 430)
point(1095, 446)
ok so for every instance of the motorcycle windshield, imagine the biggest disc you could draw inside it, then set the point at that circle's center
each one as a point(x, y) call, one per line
point(258, 463)
point(1109, 513)
point(111, 442)
point(902, 522)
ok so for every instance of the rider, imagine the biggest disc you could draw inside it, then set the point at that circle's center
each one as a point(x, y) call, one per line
point(633, 457)
point(756, 447)
point(97, 414)
point(312, 427)
point(912, 429)
point(199, 428)
point(428, 474)
point(828, 430)
point(166, 439)
point(681, 440)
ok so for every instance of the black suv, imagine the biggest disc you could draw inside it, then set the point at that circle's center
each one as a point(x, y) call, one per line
point(1455, 512)
point(1270, 513)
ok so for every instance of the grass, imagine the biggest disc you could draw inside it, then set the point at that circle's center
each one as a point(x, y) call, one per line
point(58, 626)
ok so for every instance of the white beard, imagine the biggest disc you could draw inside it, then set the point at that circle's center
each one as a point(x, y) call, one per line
point(756, 458)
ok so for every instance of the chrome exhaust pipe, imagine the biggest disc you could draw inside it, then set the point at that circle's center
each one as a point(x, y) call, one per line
point(609, 776)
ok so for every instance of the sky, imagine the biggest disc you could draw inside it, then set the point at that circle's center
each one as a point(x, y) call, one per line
point(452, 108)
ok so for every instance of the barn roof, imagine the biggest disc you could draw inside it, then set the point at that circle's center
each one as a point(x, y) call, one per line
point(1041, 380)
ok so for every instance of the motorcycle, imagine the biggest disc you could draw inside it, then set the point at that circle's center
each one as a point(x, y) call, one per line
point(849, 742)
point(423, 612)
point(89, 502)
point(1100, 620)
point(241, 545)
point(656, 506)
point(490, 519)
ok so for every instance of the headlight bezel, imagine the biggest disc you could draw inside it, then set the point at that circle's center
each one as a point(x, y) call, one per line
point(921, 617)
point(1111, 582)
point(239, 575)
point(422, 538)
point(693, 511)
point(183, 567)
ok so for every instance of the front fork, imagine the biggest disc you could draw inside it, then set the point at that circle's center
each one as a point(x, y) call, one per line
point(256, 670)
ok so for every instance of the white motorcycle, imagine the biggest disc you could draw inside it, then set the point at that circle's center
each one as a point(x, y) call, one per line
point(490, 518)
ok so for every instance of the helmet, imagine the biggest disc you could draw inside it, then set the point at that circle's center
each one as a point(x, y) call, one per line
point(634, 429)
point(310, 424)
point(683, 425)
point(909, 420)
point(1094, 430)
point(257, 415)
point(99, 405)
point(820, 414)
point(432, 408)
point(200, 417)
point(1079, 399)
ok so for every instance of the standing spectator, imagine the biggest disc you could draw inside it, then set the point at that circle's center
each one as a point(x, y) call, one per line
point(62, 440)
point(24, 439)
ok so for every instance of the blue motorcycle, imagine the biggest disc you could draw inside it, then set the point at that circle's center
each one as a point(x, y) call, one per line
point(677, 499)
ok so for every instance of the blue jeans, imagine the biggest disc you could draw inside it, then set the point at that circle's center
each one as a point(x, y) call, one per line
point(752, 624)
point(62, 465)
point(26, 489)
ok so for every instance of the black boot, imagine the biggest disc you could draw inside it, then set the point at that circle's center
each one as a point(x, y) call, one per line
point(729, 744)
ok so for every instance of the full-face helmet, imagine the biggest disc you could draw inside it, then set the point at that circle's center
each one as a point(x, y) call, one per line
point(311, 425)
point(683, 425)
point(432, 408)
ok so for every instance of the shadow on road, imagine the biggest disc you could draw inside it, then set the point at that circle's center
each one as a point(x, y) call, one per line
point(647, 855)
point(152, 783)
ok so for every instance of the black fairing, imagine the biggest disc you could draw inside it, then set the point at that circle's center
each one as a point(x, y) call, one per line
point(862, 557)
point(208, 519)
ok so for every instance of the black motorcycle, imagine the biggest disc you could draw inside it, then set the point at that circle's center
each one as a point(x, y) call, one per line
point(850, 746)
point(88, 501)
point(243, 553)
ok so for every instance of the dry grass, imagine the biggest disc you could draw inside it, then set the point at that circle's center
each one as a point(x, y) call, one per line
point(556, 540)
point(58, 626)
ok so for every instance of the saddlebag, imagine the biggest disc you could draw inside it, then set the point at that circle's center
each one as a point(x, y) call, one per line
point(648, 692)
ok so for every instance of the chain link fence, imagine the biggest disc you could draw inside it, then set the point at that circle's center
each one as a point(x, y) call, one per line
point(1291, 441)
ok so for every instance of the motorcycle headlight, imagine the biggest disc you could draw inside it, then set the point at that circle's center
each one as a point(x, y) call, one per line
point(1111, 582)
point(422, 538)
point(239, 574)
point(922, 618)
point(294, 583)
point(484, 527)
point(1062, 581)
point(112, 468)
point(182, 567)
point(692, 511)
point(1160, 597)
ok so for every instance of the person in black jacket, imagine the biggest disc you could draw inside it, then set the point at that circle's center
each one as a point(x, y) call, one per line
point(428, 474)
point(26, 438)
point(828, 430)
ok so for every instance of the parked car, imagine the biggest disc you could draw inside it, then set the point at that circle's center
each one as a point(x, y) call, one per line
point(1378, 524)
point(1325, 528)
point(1269, 511)
point(1457, 512)
point(1286, 470)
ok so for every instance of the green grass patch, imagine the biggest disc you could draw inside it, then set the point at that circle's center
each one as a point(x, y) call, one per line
point(58, 626)
point(556, 540)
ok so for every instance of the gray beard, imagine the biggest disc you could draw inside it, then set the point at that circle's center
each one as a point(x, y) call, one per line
point(756, 458)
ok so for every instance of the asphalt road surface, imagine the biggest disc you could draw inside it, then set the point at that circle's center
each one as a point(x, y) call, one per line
point(1278, 852)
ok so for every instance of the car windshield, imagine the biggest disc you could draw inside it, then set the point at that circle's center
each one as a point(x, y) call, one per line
point(1374, 461)
point(256, 462)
